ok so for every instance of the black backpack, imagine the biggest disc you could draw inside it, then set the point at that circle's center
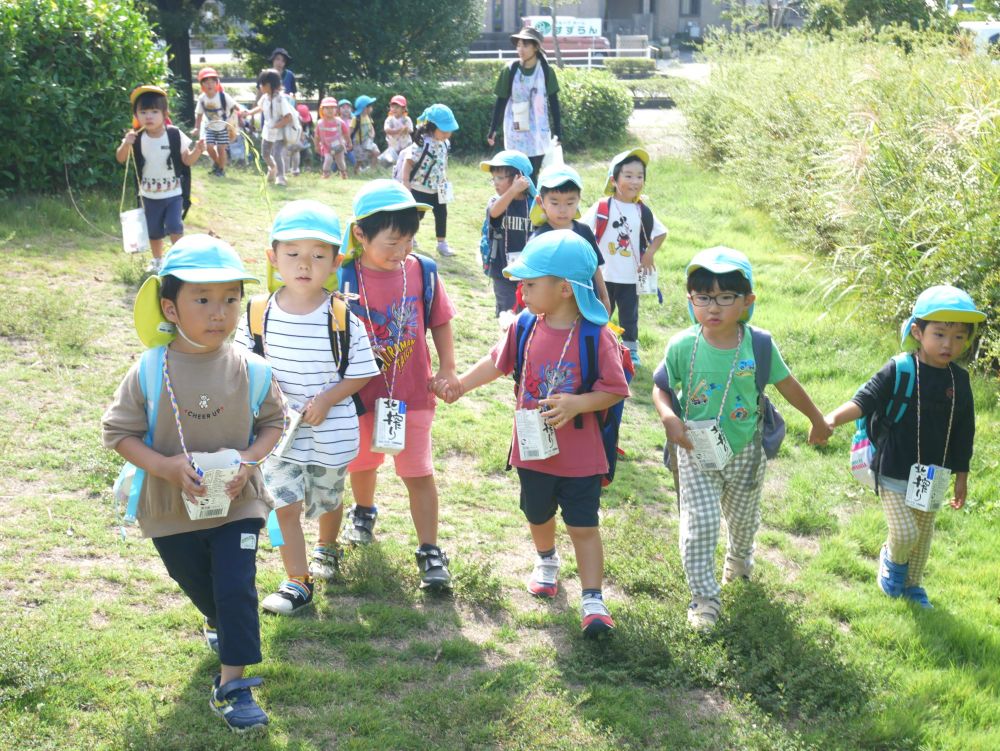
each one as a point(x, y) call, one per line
point(174, 162)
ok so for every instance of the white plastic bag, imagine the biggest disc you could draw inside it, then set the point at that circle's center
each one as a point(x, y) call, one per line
point(553, 155)
point(135, 233)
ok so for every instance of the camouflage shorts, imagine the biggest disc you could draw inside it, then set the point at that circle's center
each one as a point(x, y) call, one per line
point(322, 488)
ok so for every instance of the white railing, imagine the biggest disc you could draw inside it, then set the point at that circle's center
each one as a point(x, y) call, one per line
point(588, 58)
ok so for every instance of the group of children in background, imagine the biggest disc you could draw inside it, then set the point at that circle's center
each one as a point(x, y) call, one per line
point(343, 329)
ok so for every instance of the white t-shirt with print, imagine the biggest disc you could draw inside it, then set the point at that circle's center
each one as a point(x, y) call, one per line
point(298, 349)
point(159, 180)
point(620, 242)
point(274, 108)
point(211, 108)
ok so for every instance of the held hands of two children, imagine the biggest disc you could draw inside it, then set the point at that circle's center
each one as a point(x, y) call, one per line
point(819, 432)
point(446, 385)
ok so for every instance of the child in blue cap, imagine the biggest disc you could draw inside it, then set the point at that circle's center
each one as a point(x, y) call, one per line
point(425, 167)
point(557, 270)
point(202, 394)
point(935, 430)
point(712, 367)
point(400, 297)
point(508, 221)
point(363, 132)
point(321, 357)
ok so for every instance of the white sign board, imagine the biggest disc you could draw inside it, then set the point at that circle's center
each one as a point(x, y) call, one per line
point(566, 26)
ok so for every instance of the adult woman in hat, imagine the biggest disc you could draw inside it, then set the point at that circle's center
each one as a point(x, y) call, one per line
point(527, 101)
point(279, 61)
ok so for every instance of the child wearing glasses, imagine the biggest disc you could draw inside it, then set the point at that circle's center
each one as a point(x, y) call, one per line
point(712, 367)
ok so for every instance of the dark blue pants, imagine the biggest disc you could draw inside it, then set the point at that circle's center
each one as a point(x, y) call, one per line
point(217, 569)
point(625, 297)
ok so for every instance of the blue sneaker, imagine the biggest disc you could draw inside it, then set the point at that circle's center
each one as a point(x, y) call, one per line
point(891, 576)
point(234, 703)
point(919, 596)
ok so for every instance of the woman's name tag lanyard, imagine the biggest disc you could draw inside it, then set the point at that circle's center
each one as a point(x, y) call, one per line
point(711, 447)
point(389, 430)
point(536, 438)
point(929, 483)
point(215, 503)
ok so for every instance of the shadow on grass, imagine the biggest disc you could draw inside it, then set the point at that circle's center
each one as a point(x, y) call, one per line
point(951, 642)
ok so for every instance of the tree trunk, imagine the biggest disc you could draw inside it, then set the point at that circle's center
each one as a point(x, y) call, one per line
point(555, 38)
point(176, 17)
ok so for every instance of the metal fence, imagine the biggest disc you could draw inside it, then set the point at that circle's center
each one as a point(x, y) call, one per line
point(589, 58)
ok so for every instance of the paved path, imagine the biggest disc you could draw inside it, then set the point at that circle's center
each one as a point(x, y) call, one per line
point(662, 132)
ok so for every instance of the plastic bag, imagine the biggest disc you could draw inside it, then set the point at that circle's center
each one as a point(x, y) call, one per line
point(553, 155)
point(135, 233)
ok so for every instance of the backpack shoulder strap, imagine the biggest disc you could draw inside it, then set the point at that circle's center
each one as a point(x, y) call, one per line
point(429, 276)
point(151, 382)
point(140, 160)
point(902, 389)
point(602, 216)
point(424, 151)
point(174, 139)
point(259, 373)
point(222, 103)
point(590, 338)
point(524, 324)
point(762, 350)
point(349, 277)
point(646, 224)
point(340, 337)
point(256, 312)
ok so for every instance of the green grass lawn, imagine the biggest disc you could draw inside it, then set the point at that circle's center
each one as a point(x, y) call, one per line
point(101, 651)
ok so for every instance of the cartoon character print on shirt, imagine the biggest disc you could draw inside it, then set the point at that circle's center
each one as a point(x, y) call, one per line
point(701, 393)
point(393, 333)
point(548, 379)
point(740, 412)
point(622, 244)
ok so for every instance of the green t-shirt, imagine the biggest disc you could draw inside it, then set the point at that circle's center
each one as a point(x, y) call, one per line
point(711, 371)
point(504, 81)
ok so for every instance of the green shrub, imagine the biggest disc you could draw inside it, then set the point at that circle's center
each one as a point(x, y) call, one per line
point(477, 70)
point(630, 66)
point(66, 72)
point(227, 70)
point(881, 151)
point(595, 107)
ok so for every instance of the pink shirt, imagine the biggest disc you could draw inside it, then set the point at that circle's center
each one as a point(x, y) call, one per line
point(330, 133)
point(581, 452)
point(396, 329)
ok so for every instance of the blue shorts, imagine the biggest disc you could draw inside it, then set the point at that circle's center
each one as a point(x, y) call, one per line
point(542, 494)
point(163, 216)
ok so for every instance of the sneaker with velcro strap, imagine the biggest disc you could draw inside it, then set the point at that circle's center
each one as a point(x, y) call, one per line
point(234, 703)
point(544, 581)
point(703, 612)
point(433, 565)
point(292, 596)
point(324, 561)
point(211, 635)
point(361, 525)
point(596, 619)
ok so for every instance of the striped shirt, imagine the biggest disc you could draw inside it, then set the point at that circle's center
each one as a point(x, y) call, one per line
point(298, 349)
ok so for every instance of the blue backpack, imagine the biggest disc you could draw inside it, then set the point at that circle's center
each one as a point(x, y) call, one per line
point(872, 430)
point(128, 486)
point(348, 275)
point(610, 420)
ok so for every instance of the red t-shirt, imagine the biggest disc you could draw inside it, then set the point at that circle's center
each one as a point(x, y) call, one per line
point(396, 329)
point(581, 452)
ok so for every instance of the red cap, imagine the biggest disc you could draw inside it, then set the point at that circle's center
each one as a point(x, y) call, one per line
point(399, 99)
point(304, 114)
point(206, 73)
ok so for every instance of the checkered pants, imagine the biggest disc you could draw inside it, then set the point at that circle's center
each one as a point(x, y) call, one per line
point(910, 533)
point(733, 492)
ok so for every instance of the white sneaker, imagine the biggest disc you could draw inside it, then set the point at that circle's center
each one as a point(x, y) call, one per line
point(444, 250)
point(703, 612)
point(154, 266)
point(596, 619)
point(544, 581)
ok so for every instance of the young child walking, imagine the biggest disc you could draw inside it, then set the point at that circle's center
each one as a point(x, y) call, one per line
point(398, 128)
point(297, 329)
point(163, 160)
point(333, 138)
point(204, 402)
point(711, 366)
point(363, 133)
point(213, 119)
point(508, 222)
point(401, 297)
point(278, 112)
point(556, 270)
point(558, 207)
point(628, 236)
point(425, 167)
point(920, 414)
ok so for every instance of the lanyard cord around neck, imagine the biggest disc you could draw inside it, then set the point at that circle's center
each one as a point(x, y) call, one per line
point(524, 363)
point(390, 386)
point(729, 381)
point(180, 431)
point(951, 415)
